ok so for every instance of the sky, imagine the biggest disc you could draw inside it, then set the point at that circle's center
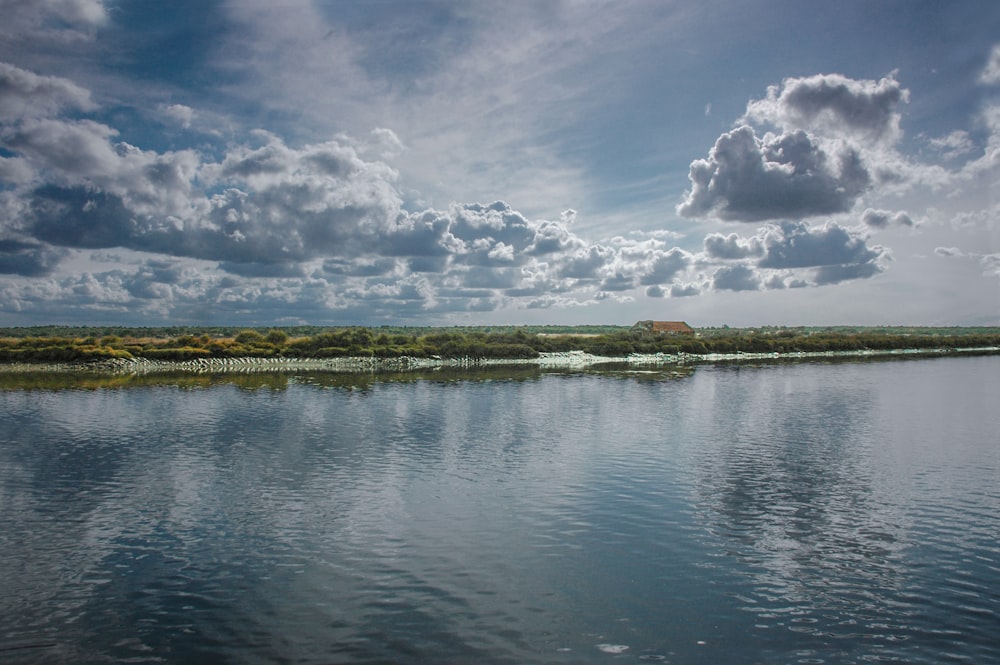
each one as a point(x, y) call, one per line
point(286, 162)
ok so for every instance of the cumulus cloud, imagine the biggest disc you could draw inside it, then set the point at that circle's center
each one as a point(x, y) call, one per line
point(793, 254)
point(751, 179)
point(732, 246)
point(735, 278)
point(880, 219)
point(266, 211)
point(659, 266)
point(796, 245)
point(24, 94)
point(834, 141)
point(263, 224)
point(618, 281)
point(180, 114)
point(834, 104)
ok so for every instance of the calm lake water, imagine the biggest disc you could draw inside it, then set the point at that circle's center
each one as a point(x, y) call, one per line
point(786, 513)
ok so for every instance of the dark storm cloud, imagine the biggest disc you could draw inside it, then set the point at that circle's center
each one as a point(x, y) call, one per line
point(751, 179)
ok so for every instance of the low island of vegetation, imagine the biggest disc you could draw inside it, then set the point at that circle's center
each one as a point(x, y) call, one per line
point(122, 347)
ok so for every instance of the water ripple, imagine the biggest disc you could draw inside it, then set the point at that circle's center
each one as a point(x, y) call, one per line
point(778, 514)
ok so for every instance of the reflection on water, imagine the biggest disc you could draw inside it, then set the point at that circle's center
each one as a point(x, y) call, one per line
point(783, 513)
point(92, 380)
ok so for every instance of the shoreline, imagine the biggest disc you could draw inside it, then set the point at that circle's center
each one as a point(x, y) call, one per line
point(363, 365)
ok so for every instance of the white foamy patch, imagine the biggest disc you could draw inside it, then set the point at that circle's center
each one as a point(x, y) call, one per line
point(612, 648)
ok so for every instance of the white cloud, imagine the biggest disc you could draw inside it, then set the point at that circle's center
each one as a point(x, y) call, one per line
point(795, 245)
point(321, 225)
point(732, 246)
point(880, 219)
point(991, 72)
point(55, 21)
point(180, 114)
point(684, 290)
point(735, 278)
point(751, 179)
point(24, 94)
point(953, 145)
point(306, 217)
point(832, 104)
point(792, 254)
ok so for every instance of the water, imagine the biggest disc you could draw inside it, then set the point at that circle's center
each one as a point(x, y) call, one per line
point(789, 513)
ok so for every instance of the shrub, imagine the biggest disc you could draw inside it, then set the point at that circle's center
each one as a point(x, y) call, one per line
point(611, 347)
point(276, 337)
point(248, 337)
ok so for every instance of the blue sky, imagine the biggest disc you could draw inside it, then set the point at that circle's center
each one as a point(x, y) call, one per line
point(276, 163)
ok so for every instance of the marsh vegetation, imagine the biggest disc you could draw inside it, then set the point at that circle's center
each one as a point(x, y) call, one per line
point(70, 345)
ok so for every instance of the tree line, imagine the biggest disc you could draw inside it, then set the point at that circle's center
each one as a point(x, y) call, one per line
point(507, 342)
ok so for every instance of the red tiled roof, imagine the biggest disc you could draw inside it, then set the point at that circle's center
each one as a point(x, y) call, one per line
point(672, 327)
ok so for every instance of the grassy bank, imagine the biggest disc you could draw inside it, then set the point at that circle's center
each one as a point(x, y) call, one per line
point(82, 345)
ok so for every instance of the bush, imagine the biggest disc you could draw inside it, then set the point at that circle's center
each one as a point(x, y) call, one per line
point(511, 351)
point(331, 352)
point(248, 337)
point(611, 348)
point(276, 337)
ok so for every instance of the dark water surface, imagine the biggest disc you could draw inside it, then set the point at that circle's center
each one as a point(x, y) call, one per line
point(797, 513)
